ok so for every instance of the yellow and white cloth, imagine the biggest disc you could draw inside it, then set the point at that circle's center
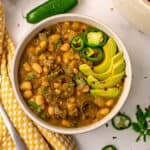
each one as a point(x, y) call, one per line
point(35, 137)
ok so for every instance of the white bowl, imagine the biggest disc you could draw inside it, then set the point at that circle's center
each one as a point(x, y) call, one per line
point(31, 34)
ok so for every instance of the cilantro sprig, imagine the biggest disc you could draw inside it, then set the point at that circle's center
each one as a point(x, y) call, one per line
point(141, 126)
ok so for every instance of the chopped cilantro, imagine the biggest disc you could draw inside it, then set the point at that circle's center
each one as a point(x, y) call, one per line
point(30, 76)
point(45, 90)
point(34, 106)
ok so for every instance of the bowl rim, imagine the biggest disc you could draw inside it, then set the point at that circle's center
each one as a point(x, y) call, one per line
point(31, 33)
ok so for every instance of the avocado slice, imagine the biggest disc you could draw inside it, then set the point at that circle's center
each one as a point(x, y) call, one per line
point(110, 50)
point(86, 70)
point(108, 93)
point(109, 82)
point(118, 67)
point(115, 68)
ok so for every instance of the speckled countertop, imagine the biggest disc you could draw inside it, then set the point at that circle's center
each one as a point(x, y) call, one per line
point(138, 46)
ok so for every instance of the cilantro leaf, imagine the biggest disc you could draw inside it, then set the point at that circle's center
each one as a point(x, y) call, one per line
point(34, 106)
point(30, 76)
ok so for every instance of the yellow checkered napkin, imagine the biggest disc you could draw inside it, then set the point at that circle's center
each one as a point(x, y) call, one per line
point(35, 137)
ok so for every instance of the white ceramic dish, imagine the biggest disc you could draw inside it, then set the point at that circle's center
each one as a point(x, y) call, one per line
point(136, 11)
point(31, 34)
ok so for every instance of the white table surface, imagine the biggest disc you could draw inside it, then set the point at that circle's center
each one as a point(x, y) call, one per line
point(138, 46)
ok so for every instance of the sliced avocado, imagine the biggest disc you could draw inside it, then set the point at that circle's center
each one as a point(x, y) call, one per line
point(110, 82)
point(118, 67)
point(86, 70)
point(114, 68)
point(108, 93)
point(110, 50)
point(117, 57)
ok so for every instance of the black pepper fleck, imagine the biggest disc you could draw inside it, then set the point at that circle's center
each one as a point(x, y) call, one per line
point(114, 137)
point(107, 125)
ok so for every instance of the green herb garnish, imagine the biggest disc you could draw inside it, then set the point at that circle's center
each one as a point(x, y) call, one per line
point(43, 116)
point(79, 80)
point(72, 84)
point(57, 44)
point(45, 90)
point(141, 126)
point(34, 106)
point(30, 76)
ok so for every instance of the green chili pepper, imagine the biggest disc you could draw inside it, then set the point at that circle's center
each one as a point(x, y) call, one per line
point(92, 54)
point(109, 147)
point(50, 8)
point(94, 37)
point(77, 43)
point(121, 121)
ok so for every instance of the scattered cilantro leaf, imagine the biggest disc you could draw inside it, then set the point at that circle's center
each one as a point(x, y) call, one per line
point(57, 44)
point(45, 90)
point(34, 106)
point(71, 84)
point(43, 116)
point(79, 80)
point(30, 76)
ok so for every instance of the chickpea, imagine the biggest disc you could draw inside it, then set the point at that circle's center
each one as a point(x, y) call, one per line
point(45, 83)
point(42, 57)
point(51, 110)
point(75, 70)
point(43, 44)
point(65, 47)
point(39, 99)
point(45, 70)
point(56, 85)
point(59, 59)
point(67, 24)
point(75, 26)
point(104, 111)
point(30, 50)
point(66, 123)
point(99, 101)
point(38, 50)
point(71, 99)
point(57, 91)
point(36, 67)
point(26, 85)
point(77, 56)
point(85, 89)
point(51, 47)
point(53, 38)
point(67, 56)
point(110, 103)
point(71, 106)
point(27, 94)
point(51, 57)
point(27, 67)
